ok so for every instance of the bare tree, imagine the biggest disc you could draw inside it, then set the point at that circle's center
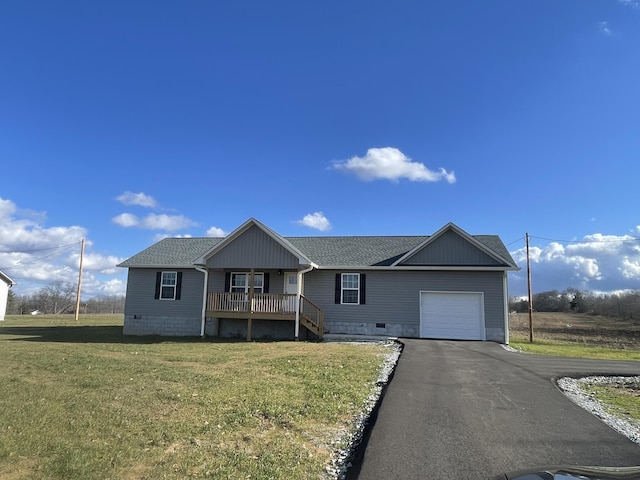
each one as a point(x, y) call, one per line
point(625, 305)
point(57, 298)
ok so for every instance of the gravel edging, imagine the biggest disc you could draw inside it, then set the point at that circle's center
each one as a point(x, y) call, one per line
point(574, 389)
point(348, 443)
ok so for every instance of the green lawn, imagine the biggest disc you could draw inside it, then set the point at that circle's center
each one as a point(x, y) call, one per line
point(79, 400)
point(567, 349)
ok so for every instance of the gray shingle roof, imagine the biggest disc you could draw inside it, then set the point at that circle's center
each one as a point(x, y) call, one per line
point(172, 252)
point(355, 251)
point(323, 251)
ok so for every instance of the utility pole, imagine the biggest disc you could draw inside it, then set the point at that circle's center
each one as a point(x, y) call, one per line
point(529, 291)
point(79, 281)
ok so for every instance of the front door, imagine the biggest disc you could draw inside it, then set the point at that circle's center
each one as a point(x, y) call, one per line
point(290, 287)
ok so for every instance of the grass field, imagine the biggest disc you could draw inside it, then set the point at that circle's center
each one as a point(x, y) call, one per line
point(576, 329)
point(80, 400)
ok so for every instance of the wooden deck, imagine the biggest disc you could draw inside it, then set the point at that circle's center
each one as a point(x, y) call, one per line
point(265, 306)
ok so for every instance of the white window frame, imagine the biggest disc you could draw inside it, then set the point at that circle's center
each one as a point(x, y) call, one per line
point(256, 289)
point(164, 284)
point(350, 289)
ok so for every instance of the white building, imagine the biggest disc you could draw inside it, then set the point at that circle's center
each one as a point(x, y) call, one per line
point(5, 284)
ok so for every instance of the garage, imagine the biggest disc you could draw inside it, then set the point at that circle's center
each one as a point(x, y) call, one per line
point(452, 315)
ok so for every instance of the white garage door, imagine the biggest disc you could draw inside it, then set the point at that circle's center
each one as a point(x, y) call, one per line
point(452, 315)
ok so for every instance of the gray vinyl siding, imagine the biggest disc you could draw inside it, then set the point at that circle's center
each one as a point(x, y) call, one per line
point(450, 249)
point(253, 249)
point(217, 279)
point(141, 286)
point(393, 299)
point(144, 315)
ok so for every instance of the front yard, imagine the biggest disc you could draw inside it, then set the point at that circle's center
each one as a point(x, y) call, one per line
point(79, 400)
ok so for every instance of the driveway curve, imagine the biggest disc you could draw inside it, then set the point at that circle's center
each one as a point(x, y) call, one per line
point(470, 410)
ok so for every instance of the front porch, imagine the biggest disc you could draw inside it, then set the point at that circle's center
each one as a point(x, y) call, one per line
point(266, 306)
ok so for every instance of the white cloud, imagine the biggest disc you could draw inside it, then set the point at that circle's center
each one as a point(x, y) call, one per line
point(95, 262)
point(391, 164)
point(630, 3)
point(140, 199)
point(166, 222)
point(599, 263)
point(115, 286)
point(603, 27)
point(154, 221)
point(126, 220)
point(316, 221)
point(216, 232)
point(35, 255)
point(161, 236)
point(20, 234)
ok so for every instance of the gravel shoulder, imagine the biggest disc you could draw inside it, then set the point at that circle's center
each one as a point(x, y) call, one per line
point(576, 390)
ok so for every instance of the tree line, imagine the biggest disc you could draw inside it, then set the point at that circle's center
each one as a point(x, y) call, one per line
point(60, 298)
point(625, 305)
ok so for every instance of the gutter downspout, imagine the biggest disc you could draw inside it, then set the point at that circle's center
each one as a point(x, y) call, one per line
point(298, 298)
point(204, 298)
point(505, 292)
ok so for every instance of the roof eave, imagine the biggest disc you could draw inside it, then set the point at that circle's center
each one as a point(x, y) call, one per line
point(482, 268)
point(7, 279)
point(189, 266)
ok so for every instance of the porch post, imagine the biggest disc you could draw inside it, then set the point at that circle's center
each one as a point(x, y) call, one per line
point(299, 298)
point(251, 275)
point(203, 318)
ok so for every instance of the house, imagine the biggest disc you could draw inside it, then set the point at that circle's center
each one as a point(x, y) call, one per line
point(255, 283)
point(5, 284)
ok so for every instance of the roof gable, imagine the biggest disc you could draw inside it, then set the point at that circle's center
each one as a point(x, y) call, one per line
point(253, 245)
point(452, 246)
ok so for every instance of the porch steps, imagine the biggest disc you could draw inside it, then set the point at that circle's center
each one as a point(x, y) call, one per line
point(311, 326)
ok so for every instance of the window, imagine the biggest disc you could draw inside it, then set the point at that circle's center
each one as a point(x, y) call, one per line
point(240, 282)
point(168, 285)
point(350, 287)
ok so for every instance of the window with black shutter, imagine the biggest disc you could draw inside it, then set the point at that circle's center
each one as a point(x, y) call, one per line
point(168, 285)
point(350, 288)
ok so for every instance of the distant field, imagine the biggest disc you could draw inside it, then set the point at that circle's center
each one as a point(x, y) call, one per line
point(577, 328)
point(80, 400)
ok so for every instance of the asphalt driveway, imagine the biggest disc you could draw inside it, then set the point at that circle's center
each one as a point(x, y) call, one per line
point(470, 410)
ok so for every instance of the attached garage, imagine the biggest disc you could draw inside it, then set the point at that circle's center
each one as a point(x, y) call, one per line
point(452, 315)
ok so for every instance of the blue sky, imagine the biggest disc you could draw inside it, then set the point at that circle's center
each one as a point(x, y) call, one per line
point(124, 122)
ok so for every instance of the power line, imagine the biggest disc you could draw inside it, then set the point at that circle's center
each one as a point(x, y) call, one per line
point(515, 241)
point(36, 260)
point(631, 239)
point(41, 249)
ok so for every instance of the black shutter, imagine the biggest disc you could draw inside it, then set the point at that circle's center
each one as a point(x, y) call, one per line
point(363, 288)
point(265, 282)
point(338, 287)
point(178, 285)
point(158, 280)
point(227, 282)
